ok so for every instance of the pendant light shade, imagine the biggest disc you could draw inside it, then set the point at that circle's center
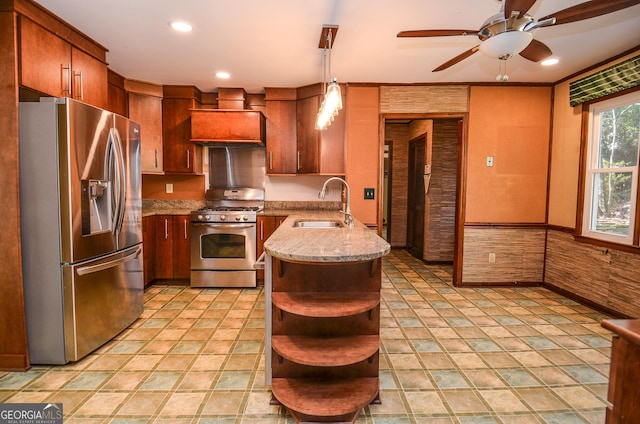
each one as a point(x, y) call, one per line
point(332, 101)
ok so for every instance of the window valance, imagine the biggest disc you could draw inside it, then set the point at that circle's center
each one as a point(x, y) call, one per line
point(613, 79)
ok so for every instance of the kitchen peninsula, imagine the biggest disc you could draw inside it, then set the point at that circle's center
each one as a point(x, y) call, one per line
point(322, 292)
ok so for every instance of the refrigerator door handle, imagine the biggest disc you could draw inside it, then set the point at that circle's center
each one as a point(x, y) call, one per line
point(110, 264)
point(116, 168)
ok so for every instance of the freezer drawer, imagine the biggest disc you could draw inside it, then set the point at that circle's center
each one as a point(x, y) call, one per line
point(100, 298)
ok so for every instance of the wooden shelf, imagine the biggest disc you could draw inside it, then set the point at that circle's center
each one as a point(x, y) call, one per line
point(325, 305)
point(325, 352)
point(325, 398)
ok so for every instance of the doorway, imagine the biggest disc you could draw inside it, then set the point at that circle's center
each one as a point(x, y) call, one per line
point(416, 196)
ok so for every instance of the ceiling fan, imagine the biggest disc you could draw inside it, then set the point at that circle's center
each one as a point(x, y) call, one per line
point(509, 32)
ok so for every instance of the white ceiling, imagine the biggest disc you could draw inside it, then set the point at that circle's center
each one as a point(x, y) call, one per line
point(274, 43)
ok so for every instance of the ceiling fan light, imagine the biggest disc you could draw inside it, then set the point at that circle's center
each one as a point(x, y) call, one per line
point(549, 62)
point(506, 44)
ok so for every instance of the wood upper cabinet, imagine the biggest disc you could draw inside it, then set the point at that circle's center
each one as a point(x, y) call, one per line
point(89, 79)
point(146, 109)
point(54, 67)
point(180, 155)
point(117, 96)
point(281, 141)
point(308, 137)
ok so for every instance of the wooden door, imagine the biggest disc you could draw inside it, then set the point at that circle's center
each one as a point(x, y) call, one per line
point(149, 245)
point(181, 247)
point(266, 227)
point(45, 60)
point(164, 247)
point(147, 111)
point(415, 204)
point(281, 137)
point(89, 79)
point(308, 136)
point(180, 155)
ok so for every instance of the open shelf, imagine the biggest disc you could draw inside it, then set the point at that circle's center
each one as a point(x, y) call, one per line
point(325, 352)
point(325, 398)
point(325, 305)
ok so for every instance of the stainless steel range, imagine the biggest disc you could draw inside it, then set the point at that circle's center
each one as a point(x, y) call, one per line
point(223, 239)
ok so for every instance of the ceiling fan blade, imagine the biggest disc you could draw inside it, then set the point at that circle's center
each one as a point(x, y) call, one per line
point(437, 32)
point(536, 51)
point(521, 6)
point(457, 59)
point(590, 9)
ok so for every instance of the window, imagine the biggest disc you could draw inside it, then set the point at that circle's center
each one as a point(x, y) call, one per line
point(611, 177)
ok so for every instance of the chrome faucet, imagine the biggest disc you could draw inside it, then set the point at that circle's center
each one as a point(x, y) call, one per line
point(348, 218)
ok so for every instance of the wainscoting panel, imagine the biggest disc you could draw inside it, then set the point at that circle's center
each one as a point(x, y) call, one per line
point(606, 277)
point(519, 255)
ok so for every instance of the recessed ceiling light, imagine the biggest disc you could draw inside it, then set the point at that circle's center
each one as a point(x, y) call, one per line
point(181, 26)
point(223, 74)
point(549, 62)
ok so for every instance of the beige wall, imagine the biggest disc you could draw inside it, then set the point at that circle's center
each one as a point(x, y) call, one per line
point(511, 124)
point(364, 151)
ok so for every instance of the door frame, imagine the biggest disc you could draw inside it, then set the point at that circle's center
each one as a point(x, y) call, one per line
point(460, 180)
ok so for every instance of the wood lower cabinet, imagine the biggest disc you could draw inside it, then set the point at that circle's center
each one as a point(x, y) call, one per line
point(149, 246)
point(52, 66)
point(266, 226)
point(172, 247)
point(325, 338)
point(624, 374)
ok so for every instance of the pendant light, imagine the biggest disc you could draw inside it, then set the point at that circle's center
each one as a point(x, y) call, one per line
point(332, 100)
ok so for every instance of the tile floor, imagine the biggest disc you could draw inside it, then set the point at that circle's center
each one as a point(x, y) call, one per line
point(490, 355)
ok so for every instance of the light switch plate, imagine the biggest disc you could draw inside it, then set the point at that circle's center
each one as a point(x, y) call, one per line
point(369, 193)
point(489, 160)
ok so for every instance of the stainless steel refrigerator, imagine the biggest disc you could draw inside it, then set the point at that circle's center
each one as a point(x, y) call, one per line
point(81, 227)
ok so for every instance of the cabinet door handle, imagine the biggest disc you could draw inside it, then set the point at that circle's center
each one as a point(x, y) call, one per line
point(68, 78)
point(80, 85)
point(156, 157)
point(298, 159)
point(185, 228)
point(188, 159)
point(261, 230)
point(270, 159)
point(166, 228)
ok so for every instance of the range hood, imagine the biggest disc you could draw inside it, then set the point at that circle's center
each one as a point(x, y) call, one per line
point(227, 126)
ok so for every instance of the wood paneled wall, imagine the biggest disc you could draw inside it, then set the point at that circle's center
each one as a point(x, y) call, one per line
point(519, 255)
point(424, 99)
point(440, 201)
point(606, 277)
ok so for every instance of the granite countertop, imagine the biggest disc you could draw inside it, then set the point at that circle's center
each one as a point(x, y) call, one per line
point(342, 244)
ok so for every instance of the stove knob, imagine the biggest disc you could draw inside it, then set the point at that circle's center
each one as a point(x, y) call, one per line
point(245, 218)
point(200, 217)
point(223, 217)
point(238, 218)
point(206, 217)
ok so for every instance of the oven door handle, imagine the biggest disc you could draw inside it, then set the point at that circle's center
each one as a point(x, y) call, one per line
point(229, 226)
point(260, 262)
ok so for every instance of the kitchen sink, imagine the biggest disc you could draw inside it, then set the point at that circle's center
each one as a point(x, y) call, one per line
point(317, 224)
